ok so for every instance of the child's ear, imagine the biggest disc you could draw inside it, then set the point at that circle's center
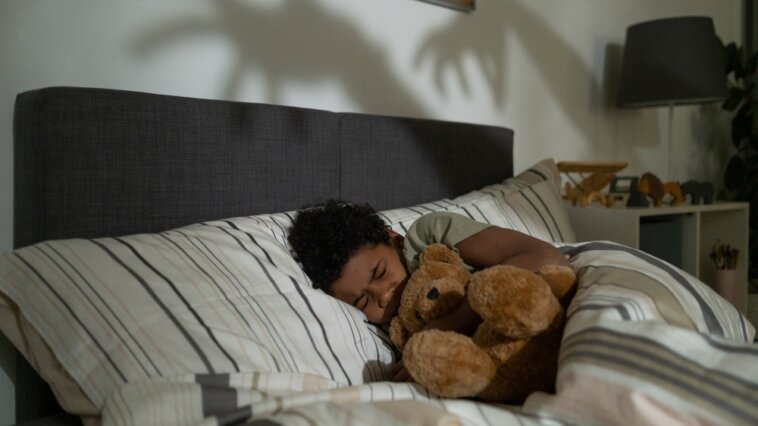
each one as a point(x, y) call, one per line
point(394, 236)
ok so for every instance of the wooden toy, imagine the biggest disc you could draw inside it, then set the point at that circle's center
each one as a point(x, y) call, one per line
point(651, 186)
point(698, 191)
point(595, 176)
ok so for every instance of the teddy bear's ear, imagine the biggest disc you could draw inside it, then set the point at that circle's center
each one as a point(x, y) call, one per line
point(562, 281)
point(440, 253)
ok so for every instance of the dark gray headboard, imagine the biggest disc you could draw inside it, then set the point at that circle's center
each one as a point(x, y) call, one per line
point(96, 162)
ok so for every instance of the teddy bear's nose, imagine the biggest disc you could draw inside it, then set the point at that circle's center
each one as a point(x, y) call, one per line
point(433, 294)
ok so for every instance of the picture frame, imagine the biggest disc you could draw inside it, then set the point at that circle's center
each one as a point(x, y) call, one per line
point(459, 5)
point(625, 189)
point(623, 184)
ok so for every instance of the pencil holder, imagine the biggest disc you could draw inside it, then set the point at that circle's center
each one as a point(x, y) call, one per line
point(724, 282)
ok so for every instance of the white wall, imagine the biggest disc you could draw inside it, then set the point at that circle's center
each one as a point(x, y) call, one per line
point(545, 68)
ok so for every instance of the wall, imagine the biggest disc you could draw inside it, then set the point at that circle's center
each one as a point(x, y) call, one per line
point(545, 68)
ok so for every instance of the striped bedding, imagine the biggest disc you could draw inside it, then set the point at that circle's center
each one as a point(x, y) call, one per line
point(216, 322)
point(645, 344)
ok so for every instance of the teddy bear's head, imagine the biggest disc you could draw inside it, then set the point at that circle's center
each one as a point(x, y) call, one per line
point(435, 288)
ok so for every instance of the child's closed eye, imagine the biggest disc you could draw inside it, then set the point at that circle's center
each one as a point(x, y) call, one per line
point(363, 301)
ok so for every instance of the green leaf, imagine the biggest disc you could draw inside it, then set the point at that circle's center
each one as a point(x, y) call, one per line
point(742, 125)
point(734, 97)
point(750, 189)
point(751, 163)
point(739, 69)
point(731, 58)
point(734, 174)
point(750, 64)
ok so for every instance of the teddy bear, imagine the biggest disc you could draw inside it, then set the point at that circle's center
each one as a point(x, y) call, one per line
point(512, 353)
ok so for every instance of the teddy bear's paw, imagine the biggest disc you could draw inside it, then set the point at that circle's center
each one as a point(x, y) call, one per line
point(448, 364)
point(399, 335)
point(514, 301)
point(562, 281)
point(497, 345)
point(526, 366)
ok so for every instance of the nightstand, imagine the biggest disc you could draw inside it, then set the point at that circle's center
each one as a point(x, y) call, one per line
point(682, 235)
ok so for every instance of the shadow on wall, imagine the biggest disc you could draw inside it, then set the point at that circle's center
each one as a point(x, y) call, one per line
point(301, 42)
point(297, 42)
point(485, 34)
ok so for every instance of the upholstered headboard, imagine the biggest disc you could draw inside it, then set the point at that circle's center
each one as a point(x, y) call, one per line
point(97, 162)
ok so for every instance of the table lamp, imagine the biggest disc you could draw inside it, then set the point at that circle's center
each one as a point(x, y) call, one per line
point(672, 61)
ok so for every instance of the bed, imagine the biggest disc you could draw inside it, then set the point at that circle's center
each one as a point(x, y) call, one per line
point(151, 280)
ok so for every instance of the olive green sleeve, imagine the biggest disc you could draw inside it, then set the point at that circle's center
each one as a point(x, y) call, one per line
point(438, 227)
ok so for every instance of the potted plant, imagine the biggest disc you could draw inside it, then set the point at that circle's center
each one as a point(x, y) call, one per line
point(741, 174)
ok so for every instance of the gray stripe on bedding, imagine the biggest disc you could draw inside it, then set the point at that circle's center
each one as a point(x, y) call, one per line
point(208, 255)
point(71, 312)
point(269, 325)
point(542, 212)
point(234, 417)
point(731, 395)
point(159, 302)
point(324, 335)
point(100, 308)
point(262, 422)
point(621, 309)
point(219, 399)
point(708, 315)
point(665, 302)
point(219, 380)
point(255, 307)
point(186, 303)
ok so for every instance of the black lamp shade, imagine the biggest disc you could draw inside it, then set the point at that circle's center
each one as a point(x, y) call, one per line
point(670, 62)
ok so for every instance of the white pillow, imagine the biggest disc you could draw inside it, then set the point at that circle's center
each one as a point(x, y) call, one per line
point(219, 297)
point(529, 202)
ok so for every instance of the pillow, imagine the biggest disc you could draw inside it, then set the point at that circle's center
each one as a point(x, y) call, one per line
point(213, 297)
point(529, 202)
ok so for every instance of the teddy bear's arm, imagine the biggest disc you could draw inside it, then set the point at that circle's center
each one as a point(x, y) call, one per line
point(462, 319)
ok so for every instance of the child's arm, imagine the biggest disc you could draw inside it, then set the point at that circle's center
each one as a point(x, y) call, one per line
point(494, 246)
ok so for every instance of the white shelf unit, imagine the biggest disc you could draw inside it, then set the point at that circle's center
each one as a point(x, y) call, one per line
point(682, 235)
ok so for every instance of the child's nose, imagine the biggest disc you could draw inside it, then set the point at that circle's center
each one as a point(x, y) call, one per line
point(386, 296)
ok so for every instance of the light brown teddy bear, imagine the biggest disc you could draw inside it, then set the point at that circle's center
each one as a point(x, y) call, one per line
point(513, 353)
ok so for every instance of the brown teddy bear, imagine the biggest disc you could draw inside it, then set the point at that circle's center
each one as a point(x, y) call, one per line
point(513, 352)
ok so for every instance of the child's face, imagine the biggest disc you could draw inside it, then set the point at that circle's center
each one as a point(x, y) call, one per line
point(373, 279)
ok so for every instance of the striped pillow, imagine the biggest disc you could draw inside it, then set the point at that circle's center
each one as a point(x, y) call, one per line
point(529, 202)
point(216, 297)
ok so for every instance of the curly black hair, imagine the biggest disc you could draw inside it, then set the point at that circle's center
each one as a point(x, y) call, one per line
point(325, 235)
